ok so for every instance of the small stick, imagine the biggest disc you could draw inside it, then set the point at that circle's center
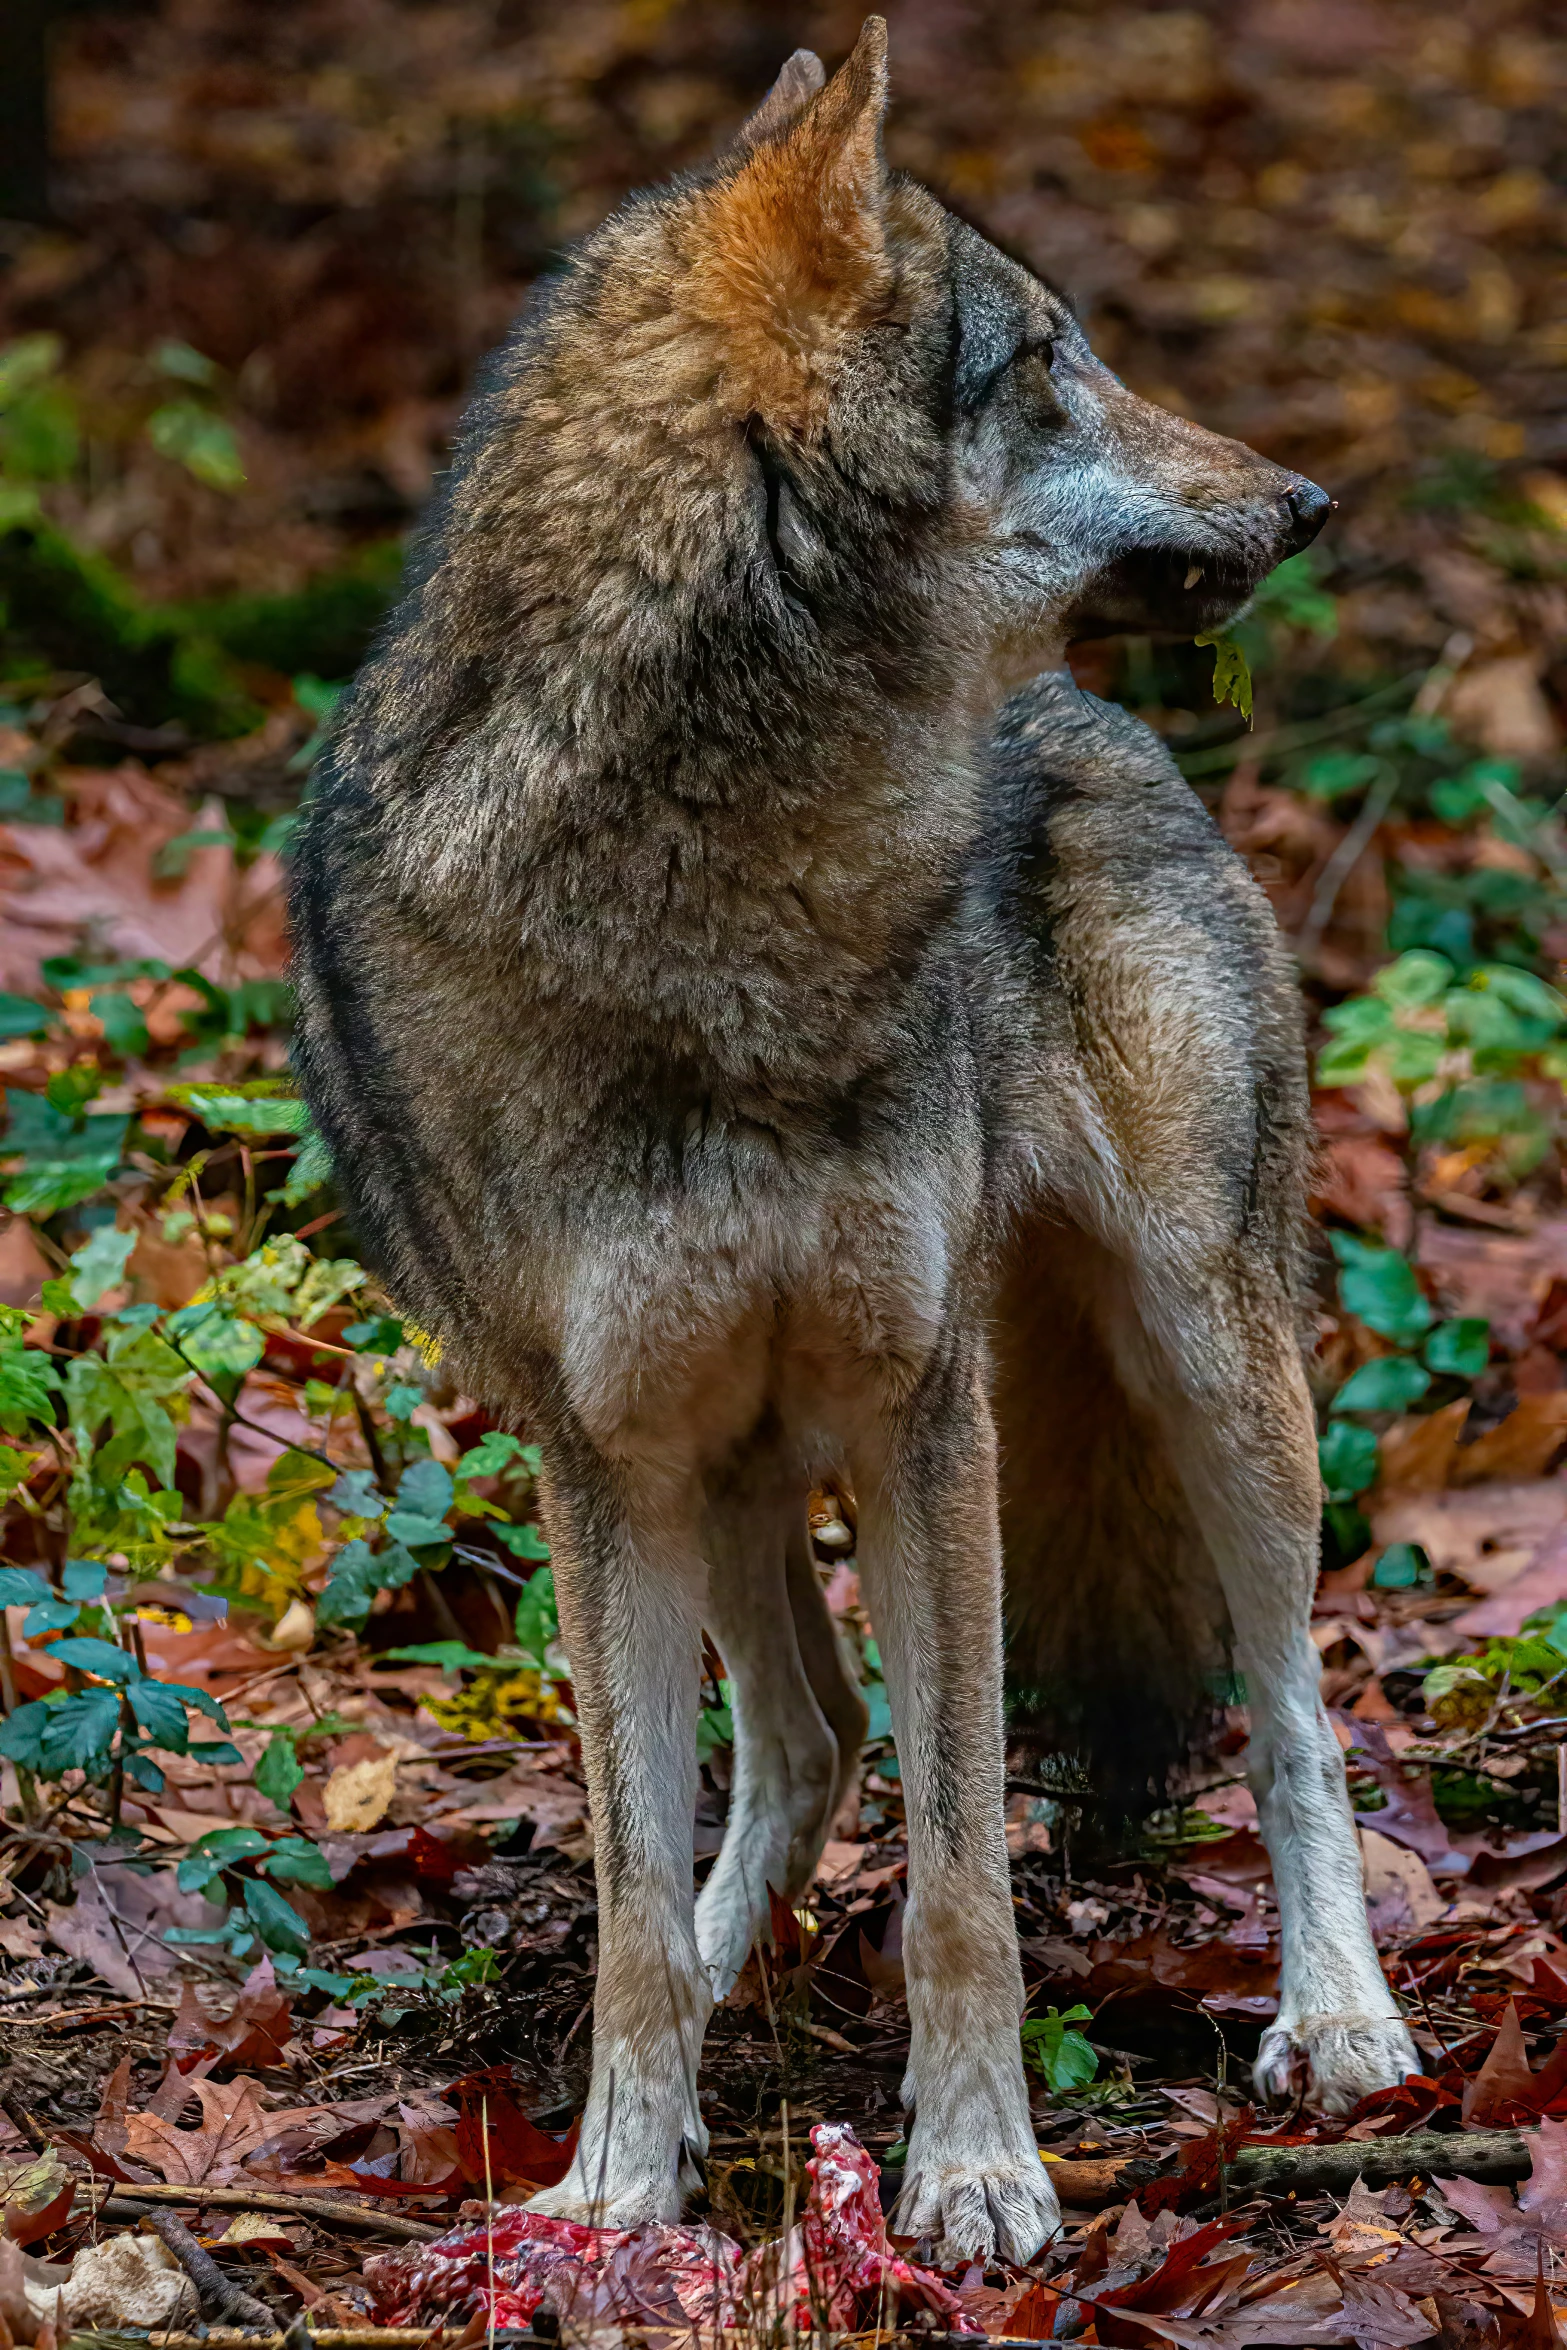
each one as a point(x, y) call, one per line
point(347, 2215)
point(219, 2295)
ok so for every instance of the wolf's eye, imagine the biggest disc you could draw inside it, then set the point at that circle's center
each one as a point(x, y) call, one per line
point(1040, 347)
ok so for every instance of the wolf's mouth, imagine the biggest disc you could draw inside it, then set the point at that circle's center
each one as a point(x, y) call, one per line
point(1167, 591)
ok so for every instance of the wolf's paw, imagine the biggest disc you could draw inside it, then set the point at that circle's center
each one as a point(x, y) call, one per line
point(1335, 2059)
point(973, 2210)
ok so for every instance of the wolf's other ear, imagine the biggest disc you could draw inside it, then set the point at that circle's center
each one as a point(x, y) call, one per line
point(799, 79)
point(790, 255)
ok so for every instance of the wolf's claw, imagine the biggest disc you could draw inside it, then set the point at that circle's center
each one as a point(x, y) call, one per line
point(1335, 2059)
point(978, 2209)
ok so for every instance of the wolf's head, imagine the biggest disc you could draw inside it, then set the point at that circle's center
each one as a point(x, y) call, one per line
point(856, 323)
point(787, 437)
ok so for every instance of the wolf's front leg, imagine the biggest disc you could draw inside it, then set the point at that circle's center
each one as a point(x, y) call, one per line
point(931, 1562)
point(629, 1580)
point(1245, 1444)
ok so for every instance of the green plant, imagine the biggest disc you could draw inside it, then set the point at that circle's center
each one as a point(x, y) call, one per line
point(1061, 2056)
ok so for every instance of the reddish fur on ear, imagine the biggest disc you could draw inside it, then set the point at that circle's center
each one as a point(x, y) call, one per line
point(790, 257)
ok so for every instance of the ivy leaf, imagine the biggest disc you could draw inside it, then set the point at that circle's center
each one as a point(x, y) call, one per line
point(1061, 2055)
point(217, 1342)
point(296, 1861)
point(495, 1450)
point(277, 1921)
point(425, 1488)
point(64, 1158)
point(418, 1531)
point(279, 1771)
point(100, 1266)
point(199, 440)
point(452, 1656)
point(1231, 672)
point(524, 1542)
point(1380, 1287)
point(537, 1619)
point(1401, 1566)
point(1460, 1349)
point(1347, 1457)
point(84, 1579)
point(1391, 1384)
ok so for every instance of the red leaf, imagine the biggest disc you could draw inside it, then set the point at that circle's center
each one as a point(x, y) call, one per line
point(520, 2154)
point(1504, 2082)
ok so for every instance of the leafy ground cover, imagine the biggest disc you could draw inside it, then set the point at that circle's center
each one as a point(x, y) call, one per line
point(294, 1859)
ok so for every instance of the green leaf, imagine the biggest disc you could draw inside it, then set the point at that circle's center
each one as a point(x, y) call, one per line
point(213, 1752)
point(160, 1715)
point(218, 1343)
point(1062, 2056)
point(277, 1921)
point(356, 1495)
point(296, 1861)
point(495, 1450)
point(1380, 1286)
point(1401, 1566)
point(452, 1656)
point(279, 1771)
point(27, 1381)
point(100, 1266)
point(31, 360)
point(64, 1158)
point(20, 1587)
point(199, 440)
point(186, 365)
point(311, 1170)
point(524, 1542)
point(1347, 1457)
point(20, 1016)
point(1460, 1350)
point(100, 1657)
point(1391, 1384)
point(1419, 978)
point(79, 1732)
point(358, 1573)
point(50, 1615)
point(416, 1530)
point(1231, 672)
point(403, 1401)
point(21, 1738)
point(233, 1109)
point(425, 1488)
point(537, 1619)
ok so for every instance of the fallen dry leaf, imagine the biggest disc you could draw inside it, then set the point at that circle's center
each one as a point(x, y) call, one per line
point(359, 1794)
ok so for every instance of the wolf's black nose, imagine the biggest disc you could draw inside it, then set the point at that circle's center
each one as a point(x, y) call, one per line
point(1307, 509)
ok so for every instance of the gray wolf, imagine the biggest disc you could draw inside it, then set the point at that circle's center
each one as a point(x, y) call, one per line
point(755, 1060)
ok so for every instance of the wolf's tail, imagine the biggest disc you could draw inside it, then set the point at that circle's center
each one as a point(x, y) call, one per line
point(1116, 1626)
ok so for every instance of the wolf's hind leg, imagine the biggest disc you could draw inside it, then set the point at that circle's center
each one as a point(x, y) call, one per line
point(826, 1667)
point(788, 1766)
point(1220, 1360)
point(629, 1577)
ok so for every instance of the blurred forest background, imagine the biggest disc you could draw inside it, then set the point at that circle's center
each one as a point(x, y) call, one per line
point(250, 257)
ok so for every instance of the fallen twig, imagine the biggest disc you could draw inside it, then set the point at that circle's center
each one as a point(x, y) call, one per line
point(218, 2294)
point(1495, 2157)
point(352, 2338)
point(137, 2197)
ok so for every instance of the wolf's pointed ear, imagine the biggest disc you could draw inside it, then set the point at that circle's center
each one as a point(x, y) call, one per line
point(790, 257)
point(799, 79)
